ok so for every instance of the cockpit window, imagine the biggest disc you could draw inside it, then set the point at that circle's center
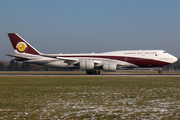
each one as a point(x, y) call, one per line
point(164, 52)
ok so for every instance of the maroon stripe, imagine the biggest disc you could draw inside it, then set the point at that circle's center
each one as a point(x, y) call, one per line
point(141, 62)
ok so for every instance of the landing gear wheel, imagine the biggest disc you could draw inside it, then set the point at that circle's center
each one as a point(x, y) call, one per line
point(97, 72)
point(93, 72)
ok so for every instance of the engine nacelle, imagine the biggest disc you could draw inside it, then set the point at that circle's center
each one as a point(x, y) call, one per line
point(109, 67)
point(86, 65)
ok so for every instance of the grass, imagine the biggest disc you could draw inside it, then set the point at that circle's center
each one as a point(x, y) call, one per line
point(93, 97)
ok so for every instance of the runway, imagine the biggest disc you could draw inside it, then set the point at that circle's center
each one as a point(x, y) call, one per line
point(163, 75)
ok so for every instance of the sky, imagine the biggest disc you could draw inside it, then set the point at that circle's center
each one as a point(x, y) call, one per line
point(86, 26)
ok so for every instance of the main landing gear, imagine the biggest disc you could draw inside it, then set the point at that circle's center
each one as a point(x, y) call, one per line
point(160, 70)
point(93, 72)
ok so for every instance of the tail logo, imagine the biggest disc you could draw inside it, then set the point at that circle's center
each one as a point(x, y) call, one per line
point(21, 47)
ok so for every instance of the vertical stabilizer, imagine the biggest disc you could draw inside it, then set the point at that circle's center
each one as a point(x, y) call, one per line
point(20, 45)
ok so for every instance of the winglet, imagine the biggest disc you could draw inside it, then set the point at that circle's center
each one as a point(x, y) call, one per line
point(20, 45)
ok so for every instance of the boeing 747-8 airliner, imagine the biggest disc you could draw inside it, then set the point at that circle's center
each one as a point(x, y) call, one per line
point(91, 63)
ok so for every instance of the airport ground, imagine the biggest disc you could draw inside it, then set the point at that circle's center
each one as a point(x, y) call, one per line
point(118, 72)
point(89, 97)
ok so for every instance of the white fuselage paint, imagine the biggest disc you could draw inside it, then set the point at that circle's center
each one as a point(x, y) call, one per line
point(157, 55)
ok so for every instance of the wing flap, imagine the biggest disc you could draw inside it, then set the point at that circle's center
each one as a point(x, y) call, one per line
point(68, 60)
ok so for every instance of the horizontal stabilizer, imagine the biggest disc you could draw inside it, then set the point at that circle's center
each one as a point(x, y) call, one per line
point(18, 56)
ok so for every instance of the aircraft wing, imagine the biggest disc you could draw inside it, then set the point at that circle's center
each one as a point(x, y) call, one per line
point(62, 58)
point(68, 60)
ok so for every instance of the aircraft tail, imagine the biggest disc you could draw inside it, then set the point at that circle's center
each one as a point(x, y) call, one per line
point(21, 46)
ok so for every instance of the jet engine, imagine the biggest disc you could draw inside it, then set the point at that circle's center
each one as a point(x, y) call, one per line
point(86, 65)
point(109, 67)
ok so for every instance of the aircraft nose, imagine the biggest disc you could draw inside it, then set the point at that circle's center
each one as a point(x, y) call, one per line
point(174, 59)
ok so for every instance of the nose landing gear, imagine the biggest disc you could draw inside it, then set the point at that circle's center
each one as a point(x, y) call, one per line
point(160, 70)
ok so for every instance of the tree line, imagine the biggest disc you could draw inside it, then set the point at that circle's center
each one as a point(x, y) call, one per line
point(14, 66)
point(21, 66)
point(24, 66)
